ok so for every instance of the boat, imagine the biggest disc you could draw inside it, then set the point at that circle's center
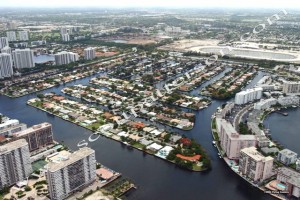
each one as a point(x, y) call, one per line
point(294, 106)
point(214, 142)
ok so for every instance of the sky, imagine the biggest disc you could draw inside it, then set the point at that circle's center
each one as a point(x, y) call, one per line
point(154, 3)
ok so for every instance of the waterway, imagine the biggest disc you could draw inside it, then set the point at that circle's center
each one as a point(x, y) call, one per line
point(285, 129)
point(43, 58)
point(155, 178)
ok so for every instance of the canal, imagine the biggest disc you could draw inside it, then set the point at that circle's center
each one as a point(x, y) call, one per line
point(155, 178)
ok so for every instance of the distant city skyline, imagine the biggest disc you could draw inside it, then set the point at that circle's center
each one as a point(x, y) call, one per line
point(154, 3)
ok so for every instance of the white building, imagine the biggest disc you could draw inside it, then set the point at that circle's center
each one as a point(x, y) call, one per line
point(64, 58)
point(248, 96)
point(23, 58)
point(289, 101)
point(254, 165)
point(3, 42)
point(89, 53)
point(15, 163)
point(11, 35)
point(291, 88)
point(65, 37)
point(38, 43)
point(66, 30)
point(23, 36)
point(6, 65)
point(6, 49)
point(287, 156)
point(265, 104)
point(71, 173)
point(11, 126)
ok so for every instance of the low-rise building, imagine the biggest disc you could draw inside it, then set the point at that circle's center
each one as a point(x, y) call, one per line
point(254, 165)
point(291, 181)
point(289, 101)
point(10, 126)
point(265, 104)
point(287, 156)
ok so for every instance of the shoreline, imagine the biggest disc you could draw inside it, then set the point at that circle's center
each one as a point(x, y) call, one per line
point(124, 143)
point(219, 149)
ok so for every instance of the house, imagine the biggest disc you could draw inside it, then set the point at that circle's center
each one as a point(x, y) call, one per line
point(154, 147)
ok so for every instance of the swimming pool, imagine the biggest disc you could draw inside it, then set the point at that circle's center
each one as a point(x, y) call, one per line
point(281, 186)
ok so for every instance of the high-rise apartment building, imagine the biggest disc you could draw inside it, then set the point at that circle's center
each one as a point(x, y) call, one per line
point(65, 37)
point(23, 58)
point(291, 88)
point(6, 65)
point(89, 53)
point(71, 174)
point(64, 58)
point(6, 49)
point(254, 165)
point(37, 136)
point(15, 163)
point(23, 36)
point(248, 95)
point(231, 141)
point(3, 42)
point(11, 35)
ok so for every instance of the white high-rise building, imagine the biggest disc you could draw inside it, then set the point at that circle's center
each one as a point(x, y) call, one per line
point(71, 174)
point(89, 53)
point(65, 37)
point(15, 163)
point(23, 36)
point(11, 35)
point(64, 58)
point(248, 95)
point(3, 42)
point(291, 88)
point(23, 58)
point(254, 165)
point(6, 65)
point(6, 49)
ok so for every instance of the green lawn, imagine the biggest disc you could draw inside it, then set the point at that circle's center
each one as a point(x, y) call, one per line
point(138, 145)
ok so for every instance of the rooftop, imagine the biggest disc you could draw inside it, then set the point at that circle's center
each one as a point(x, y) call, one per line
point(293, 176)
point(254, 154)
point(12, 146)
point(77, 155)
point(32, 129)
point(288, 153)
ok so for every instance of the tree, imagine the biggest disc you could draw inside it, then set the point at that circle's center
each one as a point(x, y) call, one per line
point(41, 96)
